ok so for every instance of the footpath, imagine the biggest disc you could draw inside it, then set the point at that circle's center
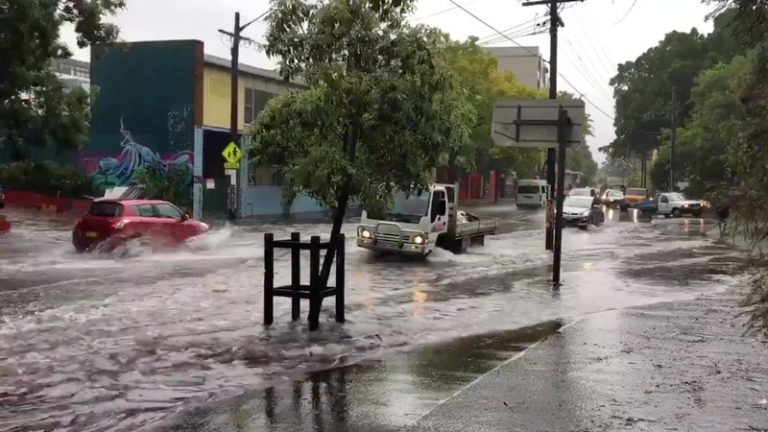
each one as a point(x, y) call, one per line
point(678, 366)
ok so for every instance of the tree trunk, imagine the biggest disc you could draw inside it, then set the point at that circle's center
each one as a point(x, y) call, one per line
point(338, 221)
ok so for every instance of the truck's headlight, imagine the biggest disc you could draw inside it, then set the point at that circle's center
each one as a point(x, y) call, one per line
point(418, 239)
point(364, 233)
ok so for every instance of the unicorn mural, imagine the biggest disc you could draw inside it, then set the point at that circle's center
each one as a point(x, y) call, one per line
point(119, 171)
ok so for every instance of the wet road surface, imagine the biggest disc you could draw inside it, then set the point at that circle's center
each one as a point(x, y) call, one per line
point(108, 342)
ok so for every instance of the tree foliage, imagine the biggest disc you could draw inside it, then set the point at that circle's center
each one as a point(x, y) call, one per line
point(644, 88)
point(35, 110)
point(475, 70)
point(379, 112)
point(171, 185)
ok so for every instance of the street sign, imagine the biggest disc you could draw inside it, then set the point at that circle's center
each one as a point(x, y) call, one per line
point(232, 155)
point(231, 166)
point(531, 123)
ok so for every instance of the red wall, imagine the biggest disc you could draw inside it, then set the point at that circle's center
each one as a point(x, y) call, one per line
point(33, 199)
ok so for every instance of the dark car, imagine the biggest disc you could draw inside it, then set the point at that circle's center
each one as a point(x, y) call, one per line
point(113, 222)
point(582, 211)
point(2, 198)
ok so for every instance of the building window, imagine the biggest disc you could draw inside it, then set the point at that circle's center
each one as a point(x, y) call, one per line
point(255, 100)
point(249, 115)
point(262, 175)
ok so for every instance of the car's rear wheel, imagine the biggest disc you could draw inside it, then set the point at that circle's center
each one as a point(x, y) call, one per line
point(696, 214)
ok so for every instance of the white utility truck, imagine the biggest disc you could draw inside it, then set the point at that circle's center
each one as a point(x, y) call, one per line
point(416, 224)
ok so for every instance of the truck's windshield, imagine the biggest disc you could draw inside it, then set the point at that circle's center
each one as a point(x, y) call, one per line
point(413, 205)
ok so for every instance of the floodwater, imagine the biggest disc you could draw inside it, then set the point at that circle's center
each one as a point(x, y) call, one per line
point(123, 342)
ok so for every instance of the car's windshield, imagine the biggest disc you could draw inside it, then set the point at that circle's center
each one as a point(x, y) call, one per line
point(578, 201)
point(106, 209)
point(677, 196)
point(528, 189)
point(615, 193)
point(580, 192)
point(636, 191)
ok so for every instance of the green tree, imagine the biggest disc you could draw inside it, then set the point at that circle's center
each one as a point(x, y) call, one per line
point(475, 70)
point(703, 144)
point(35, 110)
point(378, 114)
point(643, 88)
point(172, 186)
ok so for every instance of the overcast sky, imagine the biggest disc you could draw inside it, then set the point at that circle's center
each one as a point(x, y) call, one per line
point(598, 34)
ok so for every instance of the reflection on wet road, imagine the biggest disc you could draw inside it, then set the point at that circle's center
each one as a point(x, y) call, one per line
point(96, 342)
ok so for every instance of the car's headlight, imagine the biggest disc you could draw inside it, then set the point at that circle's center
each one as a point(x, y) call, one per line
point(364, 233)
point(585, 213)
point(121, 224)
point(418, 239)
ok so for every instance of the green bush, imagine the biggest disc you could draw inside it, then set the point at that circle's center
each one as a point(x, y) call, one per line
point(48, 178)
point(172, 185)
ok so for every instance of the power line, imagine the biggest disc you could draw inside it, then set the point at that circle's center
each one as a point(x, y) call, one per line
point(592, 75)
point(583, 96)
point(610, 62)
point(514, 28)
point(586, 36)
point(634, 2)
point(423, 17)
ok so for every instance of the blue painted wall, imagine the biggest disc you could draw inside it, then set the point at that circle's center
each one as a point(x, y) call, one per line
point(266, 201)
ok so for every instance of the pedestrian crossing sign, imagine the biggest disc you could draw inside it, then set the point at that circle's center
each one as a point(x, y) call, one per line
point(232, 156)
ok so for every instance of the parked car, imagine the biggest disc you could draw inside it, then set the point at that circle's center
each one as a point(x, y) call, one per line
point(676, 204)
point(613, 198)
point(582, 211)
point(670, 204)
point(113, 222)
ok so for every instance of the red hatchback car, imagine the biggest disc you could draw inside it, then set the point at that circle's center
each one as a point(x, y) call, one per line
point(113, 222)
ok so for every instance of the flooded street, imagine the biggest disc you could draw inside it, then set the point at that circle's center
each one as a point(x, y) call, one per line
point(122, 342)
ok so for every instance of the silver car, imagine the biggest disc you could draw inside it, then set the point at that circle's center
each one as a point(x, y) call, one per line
point(583, 211)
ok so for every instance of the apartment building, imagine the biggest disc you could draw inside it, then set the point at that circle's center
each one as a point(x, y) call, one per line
point(525, 63)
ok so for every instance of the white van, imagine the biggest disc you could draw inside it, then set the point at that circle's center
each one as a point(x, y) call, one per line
point(532, 193)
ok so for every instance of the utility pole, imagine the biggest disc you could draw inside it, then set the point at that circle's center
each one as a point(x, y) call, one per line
point(672, 139)
point(237, 38)
point(554, 23)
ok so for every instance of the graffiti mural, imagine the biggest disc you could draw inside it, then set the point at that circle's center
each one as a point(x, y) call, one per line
point(119, 171)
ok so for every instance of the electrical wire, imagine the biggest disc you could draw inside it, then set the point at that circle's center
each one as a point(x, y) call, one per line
point(600, 60)
point(634, 2)
point(609, 62)
point(559, 74)
point(423, 17)
point(511, 29)
point(594, 77)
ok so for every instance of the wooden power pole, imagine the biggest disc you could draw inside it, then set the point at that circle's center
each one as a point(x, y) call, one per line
point(554, 23)
point(237, 38)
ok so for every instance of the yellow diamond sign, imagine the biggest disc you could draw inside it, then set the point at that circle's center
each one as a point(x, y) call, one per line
point(232, 154)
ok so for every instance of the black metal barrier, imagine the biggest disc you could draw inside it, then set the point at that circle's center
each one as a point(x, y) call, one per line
point(315, 291)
